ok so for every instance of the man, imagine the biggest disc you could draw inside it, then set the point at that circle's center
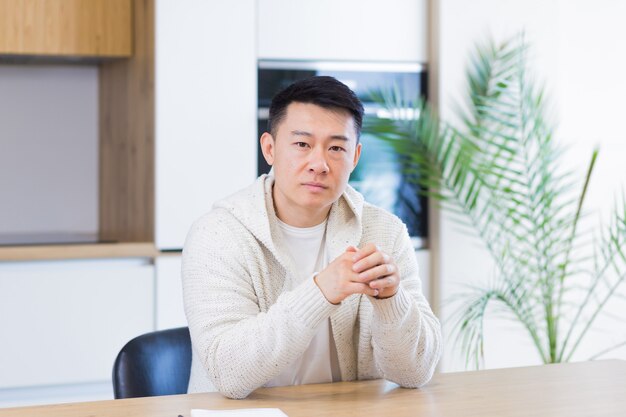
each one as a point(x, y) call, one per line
point(296, 279)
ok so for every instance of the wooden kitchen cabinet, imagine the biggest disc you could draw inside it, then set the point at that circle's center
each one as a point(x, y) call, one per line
point(90, 28)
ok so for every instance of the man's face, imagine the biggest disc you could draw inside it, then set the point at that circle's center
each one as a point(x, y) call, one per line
point(313, 154)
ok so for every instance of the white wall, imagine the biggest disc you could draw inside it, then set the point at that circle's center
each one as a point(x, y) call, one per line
point(573, 52)
point(48, 149)
point(592, 87)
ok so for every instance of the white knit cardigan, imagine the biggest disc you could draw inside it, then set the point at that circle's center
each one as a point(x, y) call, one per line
point(249, 319)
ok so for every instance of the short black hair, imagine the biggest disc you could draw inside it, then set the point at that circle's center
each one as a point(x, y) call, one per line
point(323, 91)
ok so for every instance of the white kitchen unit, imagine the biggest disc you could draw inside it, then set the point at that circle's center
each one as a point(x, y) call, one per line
point(346, 30)
point(169, 293)
point(63, 322)
point(205, 92)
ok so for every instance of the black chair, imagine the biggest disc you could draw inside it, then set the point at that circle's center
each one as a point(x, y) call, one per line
point(157, 363)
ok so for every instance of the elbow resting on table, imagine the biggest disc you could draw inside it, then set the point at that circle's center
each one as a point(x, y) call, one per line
point(230, 389)
point(235, 394)
point(425, 368)
point(425, 375)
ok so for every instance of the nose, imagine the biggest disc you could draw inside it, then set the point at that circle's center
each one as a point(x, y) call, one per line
point(317, 162)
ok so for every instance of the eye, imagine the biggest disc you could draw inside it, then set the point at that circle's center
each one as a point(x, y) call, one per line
point(337, 149)
point(301, 144)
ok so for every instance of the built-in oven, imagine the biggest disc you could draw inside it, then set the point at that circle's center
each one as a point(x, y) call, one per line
point(379, 174)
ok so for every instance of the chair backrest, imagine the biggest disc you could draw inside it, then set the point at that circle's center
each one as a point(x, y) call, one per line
point(157, 363)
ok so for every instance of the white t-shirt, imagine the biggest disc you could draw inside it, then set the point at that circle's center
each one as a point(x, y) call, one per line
point(319, 362)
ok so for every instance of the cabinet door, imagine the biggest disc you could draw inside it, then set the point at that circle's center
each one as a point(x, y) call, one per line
point(66, 27)
point(169, 309)
point(63, 322)
point(362, 30)
point(205, 109)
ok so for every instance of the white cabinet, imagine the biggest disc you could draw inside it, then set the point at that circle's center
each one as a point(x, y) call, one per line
point(361, 30)
point(169, 293)
point(63, 322)
point(205, 92)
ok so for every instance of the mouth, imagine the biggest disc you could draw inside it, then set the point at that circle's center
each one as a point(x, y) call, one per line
point(315, 185)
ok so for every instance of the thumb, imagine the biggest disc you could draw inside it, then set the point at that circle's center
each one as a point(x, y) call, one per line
point(352, 249)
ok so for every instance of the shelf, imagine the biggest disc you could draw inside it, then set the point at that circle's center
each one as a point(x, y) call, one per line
point(81, 251)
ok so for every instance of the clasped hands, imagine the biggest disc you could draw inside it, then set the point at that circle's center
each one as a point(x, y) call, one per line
point(359, 271)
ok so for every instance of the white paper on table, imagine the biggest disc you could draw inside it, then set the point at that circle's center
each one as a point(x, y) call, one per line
point(240, 412)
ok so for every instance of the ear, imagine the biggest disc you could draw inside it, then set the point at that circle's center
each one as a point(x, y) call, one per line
point(267, 147)
point(357, 155)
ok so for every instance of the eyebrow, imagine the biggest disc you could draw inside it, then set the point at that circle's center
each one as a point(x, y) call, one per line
point(307, 134)
point(300, 133)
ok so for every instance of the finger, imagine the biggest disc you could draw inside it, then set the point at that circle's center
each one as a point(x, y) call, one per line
point(376, 272)
point(384, 282)
point(352, 249)
point(365, 251)
point(358, 288)
point(376, 258)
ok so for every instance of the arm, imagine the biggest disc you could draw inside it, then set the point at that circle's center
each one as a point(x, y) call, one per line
point(406, 335)
point(240, 347)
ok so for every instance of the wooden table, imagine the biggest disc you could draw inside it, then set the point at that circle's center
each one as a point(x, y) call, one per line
point(593, 389)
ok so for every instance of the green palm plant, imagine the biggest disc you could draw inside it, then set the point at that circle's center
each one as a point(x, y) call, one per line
point(497, 170)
